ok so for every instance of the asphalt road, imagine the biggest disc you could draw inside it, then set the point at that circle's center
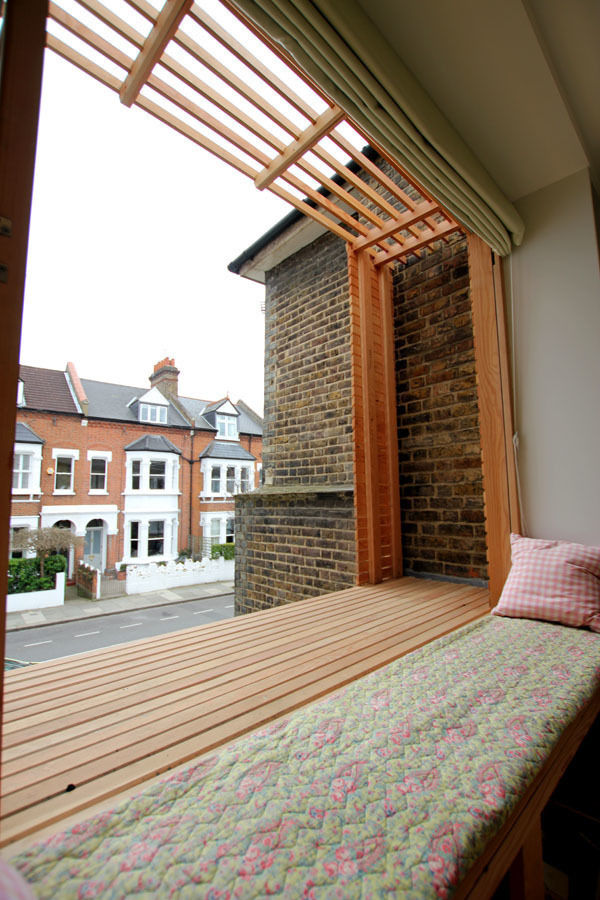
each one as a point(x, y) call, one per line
point(52, 641)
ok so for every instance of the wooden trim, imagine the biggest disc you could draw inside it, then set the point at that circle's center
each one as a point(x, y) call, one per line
point(486, 874)
point(434, 232)
point(21, 83)
point(248, 59)
point(313, 134)
point(491, 413)
point(390, 398)
point(164, 28)
point(365, 290)
point(526, 875)
point(507, 406)
point(400, 223)
point(251, 136)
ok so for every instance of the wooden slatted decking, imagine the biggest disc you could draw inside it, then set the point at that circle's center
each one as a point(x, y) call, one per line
point(79, 730)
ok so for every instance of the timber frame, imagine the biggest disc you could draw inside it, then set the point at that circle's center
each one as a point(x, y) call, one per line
point(184, 67)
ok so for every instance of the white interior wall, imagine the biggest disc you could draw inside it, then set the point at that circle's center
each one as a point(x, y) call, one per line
point(554, 282)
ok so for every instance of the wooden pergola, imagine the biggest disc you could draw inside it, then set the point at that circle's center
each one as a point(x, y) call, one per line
point(219, 82)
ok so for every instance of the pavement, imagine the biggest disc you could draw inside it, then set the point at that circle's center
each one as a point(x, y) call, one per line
point(80, 608)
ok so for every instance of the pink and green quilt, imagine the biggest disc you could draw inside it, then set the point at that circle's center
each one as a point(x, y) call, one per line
point(390, 787)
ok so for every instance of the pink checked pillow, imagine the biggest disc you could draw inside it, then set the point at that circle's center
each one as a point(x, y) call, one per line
point(552, 580)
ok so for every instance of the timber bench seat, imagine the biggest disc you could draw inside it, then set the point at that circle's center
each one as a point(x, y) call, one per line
point(81, 729)
point(427, 775)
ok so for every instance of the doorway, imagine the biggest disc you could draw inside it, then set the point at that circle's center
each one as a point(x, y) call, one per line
point(94, 544)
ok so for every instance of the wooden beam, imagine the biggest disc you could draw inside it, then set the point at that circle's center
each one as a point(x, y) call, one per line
point(164, 28)
point(366, 276)
point(23, 53)
point(391, 424)
point(526, 875)
point(425, 237)
point(400, 223)
point(313, 134)
point(507, 406)
point(491, 413)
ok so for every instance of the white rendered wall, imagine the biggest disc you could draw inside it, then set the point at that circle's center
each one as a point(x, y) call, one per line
point(554, 280)
point(152, 577)
point(38, 599)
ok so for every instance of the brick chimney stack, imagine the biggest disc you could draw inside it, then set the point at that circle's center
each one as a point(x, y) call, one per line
point(166, 377)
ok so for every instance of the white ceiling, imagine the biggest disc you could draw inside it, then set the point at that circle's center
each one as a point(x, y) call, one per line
point(518, 79)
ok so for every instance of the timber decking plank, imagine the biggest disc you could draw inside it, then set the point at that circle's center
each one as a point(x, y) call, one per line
point(151, 692)
point(215, 726)
point(202, 661)
point(91, 662)
point(341, 637)
point(218, 688)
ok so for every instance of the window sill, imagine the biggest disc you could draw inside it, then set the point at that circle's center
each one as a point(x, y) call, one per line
point(93, 493)
point(63, 493)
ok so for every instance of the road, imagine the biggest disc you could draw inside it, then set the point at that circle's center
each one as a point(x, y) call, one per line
point(52, 641)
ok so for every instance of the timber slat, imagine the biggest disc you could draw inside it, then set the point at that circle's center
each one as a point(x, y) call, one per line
point(106, 721)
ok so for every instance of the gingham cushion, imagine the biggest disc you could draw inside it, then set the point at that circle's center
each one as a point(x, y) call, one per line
point(552, 580)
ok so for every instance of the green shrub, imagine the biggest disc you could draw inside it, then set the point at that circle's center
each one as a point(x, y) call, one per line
point(227, 551)
point(24, 574)
point(55, 563)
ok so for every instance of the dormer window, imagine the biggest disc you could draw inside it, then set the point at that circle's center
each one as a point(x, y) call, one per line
point(150, 413)
point(227, 427)
point(20, 393)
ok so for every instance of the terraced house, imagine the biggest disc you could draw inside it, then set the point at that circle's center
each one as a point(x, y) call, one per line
point(140, 474)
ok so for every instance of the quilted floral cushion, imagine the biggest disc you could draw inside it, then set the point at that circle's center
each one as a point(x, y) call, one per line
point(552, 580)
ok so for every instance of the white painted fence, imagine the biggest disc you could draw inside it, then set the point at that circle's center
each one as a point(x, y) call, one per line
point(38, 599)
point(154, 577)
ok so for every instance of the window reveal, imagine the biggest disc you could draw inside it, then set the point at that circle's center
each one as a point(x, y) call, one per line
point(230, 479)
point(98, 474)
point(64, 474)
point(134, 539)
point(227, 427)
point(156, 538)
point(158, 470)
point(136, 474)
point(149, 413)
point(21, 471)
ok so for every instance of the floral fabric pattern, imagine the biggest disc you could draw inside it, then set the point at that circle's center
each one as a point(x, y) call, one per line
point(391, 786)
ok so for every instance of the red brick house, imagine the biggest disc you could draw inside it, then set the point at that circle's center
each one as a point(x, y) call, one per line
point(140, 474)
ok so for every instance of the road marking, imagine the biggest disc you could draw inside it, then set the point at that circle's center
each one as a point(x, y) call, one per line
point(37, 643)
point(86, 633)
point(230, 606)
point(201, 611)
point(164, 618)
point(133, 625)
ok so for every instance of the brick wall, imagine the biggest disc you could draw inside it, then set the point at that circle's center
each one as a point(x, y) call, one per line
point(308, 415)
point(440, 459)
point(290, 546)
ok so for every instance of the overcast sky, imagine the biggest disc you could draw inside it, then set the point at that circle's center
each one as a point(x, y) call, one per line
point(132, 228)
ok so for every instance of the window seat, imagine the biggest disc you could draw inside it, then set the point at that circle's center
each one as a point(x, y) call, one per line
point(425, 778)
point(80, 730)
